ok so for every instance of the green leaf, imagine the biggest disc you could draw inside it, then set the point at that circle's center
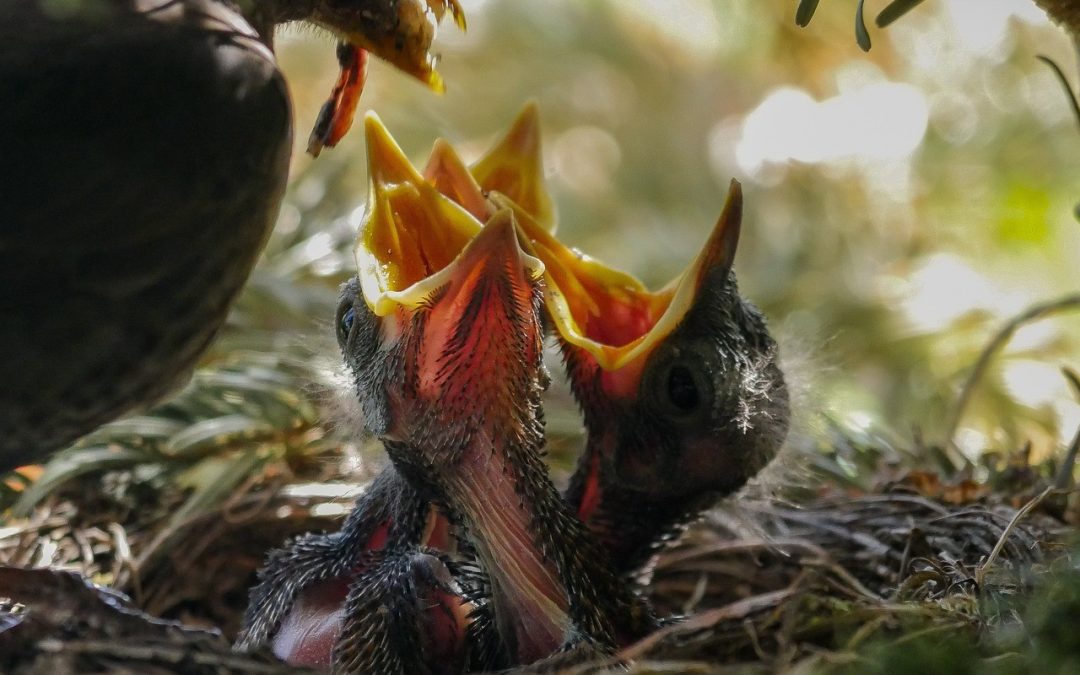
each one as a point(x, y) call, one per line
point(895, 10)
point(861, 36)
point(805, 12)
point(136, 431)
point(217, 433)
point(1074, 380)
point(1060, 74)
point(214, 480)
point(261, 397)
point(1023, 215)
point(74, 463)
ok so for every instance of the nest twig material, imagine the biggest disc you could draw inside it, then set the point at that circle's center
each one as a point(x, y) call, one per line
point(830, 574)
point(763, 583)
point(880, 540)
point(198, 571)
point(64, 624)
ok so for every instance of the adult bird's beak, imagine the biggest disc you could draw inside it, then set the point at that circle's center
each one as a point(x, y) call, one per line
point(399, 33)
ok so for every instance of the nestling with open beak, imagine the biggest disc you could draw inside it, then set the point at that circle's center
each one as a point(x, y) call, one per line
point(679, 415)
point(681, 389)
point(313, 596)
point(406, 257)
point(629, 518)
point(450, 378)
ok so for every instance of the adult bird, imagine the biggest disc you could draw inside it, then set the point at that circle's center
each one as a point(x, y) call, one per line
point(147, 144)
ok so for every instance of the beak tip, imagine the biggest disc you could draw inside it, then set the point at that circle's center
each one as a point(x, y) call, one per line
point(500, 233)
point(376, 136)
point(372, 122)
point(524, 133)
point(499, 241)
point(735, 197)
point(386, 160)
point(435, 82)
point(530, 112)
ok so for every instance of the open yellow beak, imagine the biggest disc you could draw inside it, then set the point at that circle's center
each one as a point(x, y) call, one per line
point(609, 313)
point(513, 167)
point(606, 312)
point(411, 236)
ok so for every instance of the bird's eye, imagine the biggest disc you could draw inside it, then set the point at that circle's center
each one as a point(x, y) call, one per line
point(679, 385)
point(347, 320)
point(682, 392)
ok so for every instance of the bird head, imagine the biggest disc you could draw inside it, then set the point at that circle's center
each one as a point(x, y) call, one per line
point(399, 33)
point(441, 326)
point(685, 395)
point(680, 387)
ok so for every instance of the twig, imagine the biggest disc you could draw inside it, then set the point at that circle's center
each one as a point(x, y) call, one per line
point(995, 345)
point(844, 575)
point(980, 573)
point(866, 631)
point(173, 654)
point(707, 619)
point(1064, 83)
point(1065, 473)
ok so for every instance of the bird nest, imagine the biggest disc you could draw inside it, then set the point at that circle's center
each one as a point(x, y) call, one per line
point(764, 584)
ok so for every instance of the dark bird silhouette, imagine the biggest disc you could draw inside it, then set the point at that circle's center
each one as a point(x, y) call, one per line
point(147, 144)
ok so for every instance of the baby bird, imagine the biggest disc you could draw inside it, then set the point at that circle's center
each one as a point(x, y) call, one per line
point(629, 511)
point(681, 390)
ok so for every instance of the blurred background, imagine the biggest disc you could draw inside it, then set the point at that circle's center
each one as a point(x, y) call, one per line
point(902, 204)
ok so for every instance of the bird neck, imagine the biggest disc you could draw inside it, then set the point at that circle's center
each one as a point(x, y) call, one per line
point(549, 580)
point(629, 525)
point(265, 15)
point(494, 497)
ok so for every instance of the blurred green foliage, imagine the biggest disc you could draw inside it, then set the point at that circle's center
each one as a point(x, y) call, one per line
point(1028, 633)
point(886, 267)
